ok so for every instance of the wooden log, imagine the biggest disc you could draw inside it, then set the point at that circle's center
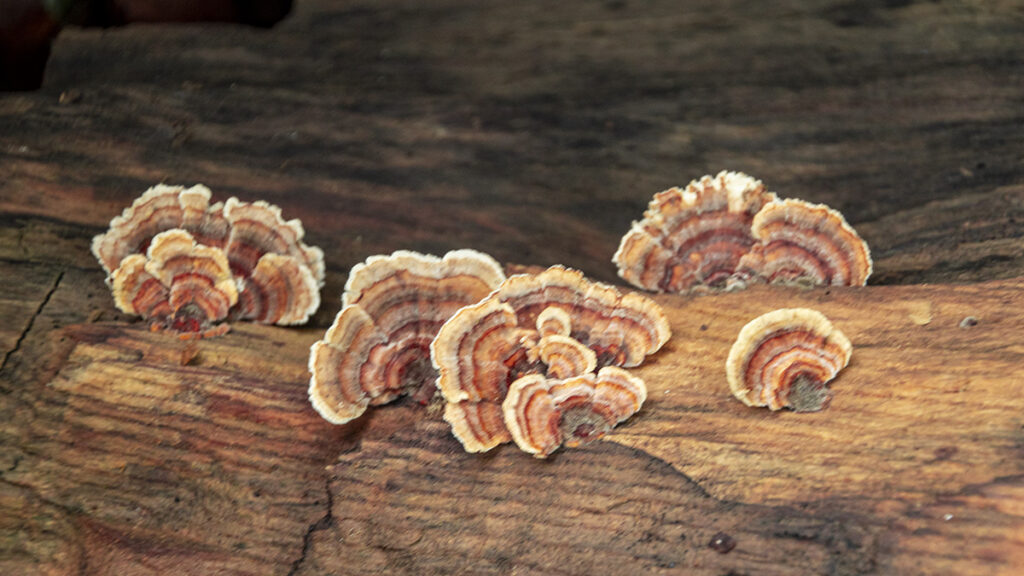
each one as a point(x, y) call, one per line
point(130, 452)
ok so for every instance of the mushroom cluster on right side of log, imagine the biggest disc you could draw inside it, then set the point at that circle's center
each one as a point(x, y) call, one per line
point(726, 232)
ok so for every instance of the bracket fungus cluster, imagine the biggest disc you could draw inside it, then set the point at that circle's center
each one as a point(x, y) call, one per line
point(539, 334)
point(726, 232)
point(187, 265)
point(379, 345)
point(785, 358)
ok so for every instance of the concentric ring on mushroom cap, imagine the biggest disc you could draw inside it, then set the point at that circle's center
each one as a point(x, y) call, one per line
point(379, 345)
point(542, 414)
point(487, 346)
point(806, 243)
point(783, 349)
point(692, 238)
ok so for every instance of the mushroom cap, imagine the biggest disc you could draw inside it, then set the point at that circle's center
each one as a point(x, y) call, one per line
point(692, 238)
point(783, 351)
point(520, 329)
point(554, 321)
point(184, 284)
point(564, 356)
point(480, 426)
point(281, 290)
point(379, 345)
point(542, 414)
point(622, 329)
point(804, 243)
point(159, 209)
point(257, 228)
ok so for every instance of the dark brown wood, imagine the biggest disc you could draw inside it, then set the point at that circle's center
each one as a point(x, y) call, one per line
point(535, 131)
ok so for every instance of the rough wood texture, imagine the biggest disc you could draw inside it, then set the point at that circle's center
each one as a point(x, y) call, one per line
point(534, 131)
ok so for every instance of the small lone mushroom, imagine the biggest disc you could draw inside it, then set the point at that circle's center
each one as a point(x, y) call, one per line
point(784, 359)
point(515, 332)
point(379, 345)
point(692, 239)
point(542, 414)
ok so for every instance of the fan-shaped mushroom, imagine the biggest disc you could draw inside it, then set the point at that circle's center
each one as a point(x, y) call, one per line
point(692, 238)
point(178, 284)
point(487, 346)
point(542, 414)
point(378, 347)
point(807, 244)
point(784, 359)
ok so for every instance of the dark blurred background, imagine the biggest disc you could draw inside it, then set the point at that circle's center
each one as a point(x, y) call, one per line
point(28, 27)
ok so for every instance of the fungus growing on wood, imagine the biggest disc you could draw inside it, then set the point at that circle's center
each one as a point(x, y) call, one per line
point(159, 209)
point(178, 285)
point(542, 414)
point(785, 358)
point(692, 238)
point(379, 345)
point(536, 324)
point(280, 291)
point(257, 228)
point(278, 276)
point(805, 244)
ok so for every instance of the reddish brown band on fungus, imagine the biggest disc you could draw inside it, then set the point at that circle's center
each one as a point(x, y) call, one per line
point(692, 238)
point(542, 414)
point(404, 298)
point(785, 358)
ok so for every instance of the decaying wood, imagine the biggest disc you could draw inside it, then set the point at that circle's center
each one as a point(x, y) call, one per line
point(534, 131)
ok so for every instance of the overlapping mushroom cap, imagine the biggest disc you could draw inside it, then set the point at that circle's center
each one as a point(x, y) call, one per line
point(159, 209)
point(181, 285)
point(277, 277)
point(803, 243)
point(379, 345)
point(542, 414)
point(784, 358)
point(692, 238)
point(727, 232)
point(548, 324)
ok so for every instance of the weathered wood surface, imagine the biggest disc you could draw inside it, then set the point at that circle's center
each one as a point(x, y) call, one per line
point(535, 131)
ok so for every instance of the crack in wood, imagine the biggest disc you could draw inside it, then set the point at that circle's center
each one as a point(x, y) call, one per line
point(32, 320)
point(323, 523)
